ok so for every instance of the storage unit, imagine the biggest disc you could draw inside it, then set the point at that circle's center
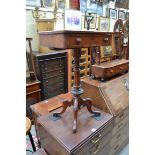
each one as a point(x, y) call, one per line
point(112, 97)
point(52, 72)
point(32, 95)
point(92, 137)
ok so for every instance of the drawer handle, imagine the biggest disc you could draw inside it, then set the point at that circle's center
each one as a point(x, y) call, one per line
point(116, 147)
point(97, 139)
point(118, 136)
point(111, 71)
point(120, 126)
point(78, 40)
point(97, 149)
point(106, 39)
point(120, 67)
point(121, 115)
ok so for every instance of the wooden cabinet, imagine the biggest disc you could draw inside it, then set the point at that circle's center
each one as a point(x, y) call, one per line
point(108, 69)
point(52, 72)
point(93, 136)
point(32, 96)
point(112, 96)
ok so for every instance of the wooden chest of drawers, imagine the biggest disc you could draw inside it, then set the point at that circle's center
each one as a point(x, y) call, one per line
point(52, 72)
point(32, 96)
point(112, 97)
point(93, 136)
point(110, 68)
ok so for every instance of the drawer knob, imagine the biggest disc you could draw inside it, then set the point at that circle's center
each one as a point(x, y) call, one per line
point(97, 149)
point(111, 71)
point(120, 67)
point(78, 40)
point(106, 39)
point(97, 139)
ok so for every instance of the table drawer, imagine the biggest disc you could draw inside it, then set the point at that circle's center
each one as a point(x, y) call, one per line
point(100, 139)
point(85, 41)
point(120, 125)
point(121, 116)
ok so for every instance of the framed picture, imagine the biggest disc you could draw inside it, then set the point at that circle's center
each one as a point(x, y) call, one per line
point(100, 9)
point(73, 19)
point(93, 17)
point(92, 5)
point(127, 16)
point(33, 3)
point(47, 3)
point(121, 15)
point(60, 4)
point(83, 5)
point(113, 13)
point(104, 24)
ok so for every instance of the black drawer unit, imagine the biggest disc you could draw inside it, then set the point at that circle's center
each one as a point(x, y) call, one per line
point(52, 71)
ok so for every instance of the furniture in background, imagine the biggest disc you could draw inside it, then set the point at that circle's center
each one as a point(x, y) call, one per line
point(51, 68)
point(93, 136)
point(28, 128)
point(126, 39)
point(118, 37)
point(109, 69)
point(85, 62)
point(112, 96)
point(32, 96)
point(32, 82)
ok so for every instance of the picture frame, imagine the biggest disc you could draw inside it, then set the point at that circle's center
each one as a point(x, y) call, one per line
point(91, 5)
point(60, 4)
point(104, 24)
point(121, 15)
point(100, 9)
point(47, 3)
point(83, 5)
point(73, 20)
point(127, 16)
point(36, 3)
point(93, 22)
point(112, 13)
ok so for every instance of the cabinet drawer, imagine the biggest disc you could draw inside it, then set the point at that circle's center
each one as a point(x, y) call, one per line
point(100, 138)
point(110, 71)
point(101, 147)
point(51, 68)
point(32, 88)
point(122, 68)
point(59, 72)
point(121, 116)
point(120, 135)
point(53, 93)
point(53, 79)
point(120, 125)
point(118, 147)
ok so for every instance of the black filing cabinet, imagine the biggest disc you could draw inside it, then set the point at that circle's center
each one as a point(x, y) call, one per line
point(52, 72)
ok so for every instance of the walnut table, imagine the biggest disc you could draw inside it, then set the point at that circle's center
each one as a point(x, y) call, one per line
point(67, 39)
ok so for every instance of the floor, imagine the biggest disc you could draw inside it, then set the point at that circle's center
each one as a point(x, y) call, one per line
point(29, 149)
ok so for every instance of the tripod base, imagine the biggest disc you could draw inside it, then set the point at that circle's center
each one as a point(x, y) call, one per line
point(77, 102)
